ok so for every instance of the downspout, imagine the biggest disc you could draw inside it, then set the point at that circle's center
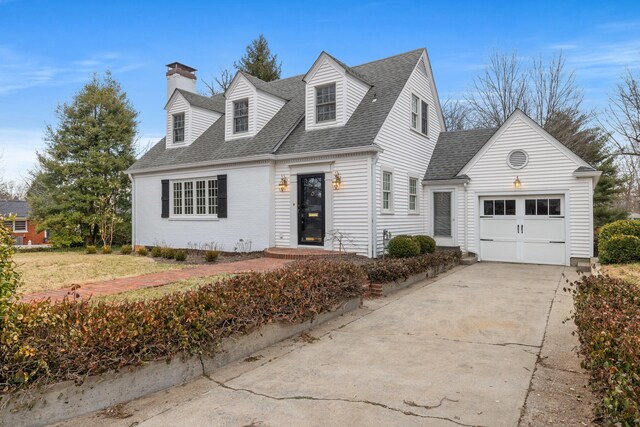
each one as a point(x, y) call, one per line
point(374, 220)
point(466, 219)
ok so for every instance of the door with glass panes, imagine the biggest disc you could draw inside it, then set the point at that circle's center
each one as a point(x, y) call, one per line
point(529, 229)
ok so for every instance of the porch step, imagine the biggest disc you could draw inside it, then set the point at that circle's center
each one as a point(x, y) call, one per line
point(468, 260)
point(583, 267)
point(295, 253)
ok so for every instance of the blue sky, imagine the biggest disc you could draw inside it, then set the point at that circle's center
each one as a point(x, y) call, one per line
point(48, 49)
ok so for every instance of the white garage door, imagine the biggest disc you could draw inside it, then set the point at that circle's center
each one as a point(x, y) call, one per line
point(527, 229)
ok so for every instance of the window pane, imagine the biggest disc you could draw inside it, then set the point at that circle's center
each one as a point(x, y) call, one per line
point(413, 185)
point(414, 111)
point(188, 198)
point(442, 214)
point(499, 207)
point(20, 226)
point(412, 203)
point(385, 200)
point(425, 118)
point(177, 198)
point(530, 207)
point(488, 207)
point(213, 196)
point(386, 181)
point(386, 190)
point(8, 224)
point(178, 128)
point(201, 207)
point(554, 207)
point(510, 207)
point(241, 116)
point(543, 207)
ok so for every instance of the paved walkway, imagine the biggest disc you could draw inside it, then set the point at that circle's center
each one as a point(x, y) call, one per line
point(458, 351)
point(124, 284)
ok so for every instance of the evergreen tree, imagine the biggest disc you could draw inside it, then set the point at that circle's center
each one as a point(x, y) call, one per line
point(259, 62)
point(83, 163)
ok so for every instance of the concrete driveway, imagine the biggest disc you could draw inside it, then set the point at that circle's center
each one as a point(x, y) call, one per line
point(458, 350)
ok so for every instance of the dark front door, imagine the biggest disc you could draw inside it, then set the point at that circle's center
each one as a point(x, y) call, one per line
point(311, 209)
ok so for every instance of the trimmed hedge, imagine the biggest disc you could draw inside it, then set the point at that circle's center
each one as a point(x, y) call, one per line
point(180, 255)
point(125, 250)
point(612, 248)
point(91, 250)
point(143, 251)
point(391, 270)
point(619, 248)
point(607, 314)
point(427, 244)
point(403, 247)
point(50, 342)
point(156, 251)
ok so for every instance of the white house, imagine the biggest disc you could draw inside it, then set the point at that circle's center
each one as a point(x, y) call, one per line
point(358, 151)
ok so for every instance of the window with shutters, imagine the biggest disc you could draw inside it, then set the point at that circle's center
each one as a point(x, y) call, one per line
point(195, 197)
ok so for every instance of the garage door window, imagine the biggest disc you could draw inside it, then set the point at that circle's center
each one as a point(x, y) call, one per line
point(499, 207)
point(544, 207)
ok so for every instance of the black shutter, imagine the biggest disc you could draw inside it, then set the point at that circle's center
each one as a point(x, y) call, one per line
point(222, 196)
point(165, 198)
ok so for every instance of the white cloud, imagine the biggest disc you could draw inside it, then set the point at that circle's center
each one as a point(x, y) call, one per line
point(18, 152)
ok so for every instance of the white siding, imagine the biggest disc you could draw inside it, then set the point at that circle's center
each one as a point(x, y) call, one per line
point(201, 120)
point(327, 72)
point(249, 202)
point(268, 106)
point(356, 90)
point(242, 89)
point(347, 209)
point(178, 105)
point(406, 153)
point(549, 171)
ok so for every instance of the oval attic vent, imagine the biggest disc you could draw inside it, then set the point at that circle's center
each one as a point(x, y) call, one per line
point(518, 159)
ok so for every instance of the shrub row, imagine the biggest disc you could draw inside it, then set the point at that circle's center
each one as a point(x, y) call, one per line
point(390, 270)
point(619, 242)
point(45, 342)
point(607, 315)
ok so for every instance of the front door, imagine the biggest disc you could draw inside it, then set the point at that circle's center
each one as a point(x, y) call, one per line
point(443, 218)
point(311, 209)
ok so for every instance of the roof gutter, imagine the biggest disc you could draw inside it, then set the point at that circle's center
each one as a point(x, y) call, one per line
point(261, 157)
point(452, 181)
point(595, 175)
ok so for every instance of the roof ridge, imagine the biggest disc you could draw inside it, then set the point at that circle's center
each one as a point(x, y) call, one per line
point(470, 130)
point(389, 57)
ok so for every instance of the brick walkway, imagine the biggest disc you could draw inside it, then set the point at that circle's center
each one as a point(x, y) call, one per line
point(124, 284)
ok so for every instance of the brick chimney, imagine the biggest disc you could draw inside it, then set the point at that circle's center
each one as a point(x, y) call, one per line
point(180, 76)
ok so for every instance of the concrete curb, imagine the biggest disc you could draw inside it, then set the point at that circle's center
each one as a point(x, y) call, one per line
point(65, 400)
point(386, 289)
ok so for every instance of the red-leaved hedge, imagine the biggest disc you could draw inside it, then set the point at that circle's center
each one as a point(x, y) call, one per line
point(607, 314)
point(391, 270)
point(47, 342)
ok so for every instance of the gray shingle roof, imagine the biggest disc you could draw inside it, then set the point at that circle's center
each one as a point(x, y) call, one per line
point(266, 87)
point(454, 150)
point(585, 169)
point(19, 208)
point(215, 103)
point(285, 133)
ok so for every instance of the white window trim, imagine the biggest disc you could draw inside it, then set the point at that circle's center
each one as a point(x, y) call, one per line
point(184, 141)
point(315, 103)
point(418, 128)
point(233, 116)
point(390, 210)
point(194, 215)
point(13, 226)
point(415, 211)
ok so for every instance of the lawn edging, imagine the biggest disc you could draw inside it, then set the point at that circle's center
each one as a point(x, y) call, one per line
point(66, 400)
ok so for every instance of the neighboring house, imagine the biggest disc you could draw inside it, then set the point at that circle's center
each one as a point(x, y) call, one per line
point(23, 229)
point(360, 150)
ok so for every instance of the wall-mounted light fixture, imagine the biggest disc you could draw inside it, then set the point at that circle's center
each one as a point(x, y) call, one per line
point(284, 184)
point(337, 181)
point(517, 183)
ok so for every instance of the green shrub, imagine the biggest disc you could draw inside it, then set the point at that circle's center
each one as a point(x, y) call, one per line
point(211, 256)
point(607, 316)
point(403, 247)
point(391, 270)
point(9, 277)
point(125, 250)
point(619, 248)
point(427, 244)
point(91, 249)
point(180, 255)
point(168, 253)
point(626, 227)
point(100, 336)
point(106, 250)
point(142, 251)
point(156, 251)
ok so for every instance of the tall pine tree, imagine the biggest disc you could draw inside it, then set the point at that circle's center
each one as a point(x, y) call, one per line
point(84, 161)
point(259, 62)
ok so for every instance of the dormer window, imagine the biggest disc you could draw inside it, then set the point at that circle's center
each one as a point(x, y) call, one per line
point(241, 116)
point(326, 103)
point(178, 128)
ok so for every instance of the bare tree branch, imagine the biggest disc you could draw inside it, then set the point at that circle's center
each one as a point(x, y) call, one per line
point(457, 115)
